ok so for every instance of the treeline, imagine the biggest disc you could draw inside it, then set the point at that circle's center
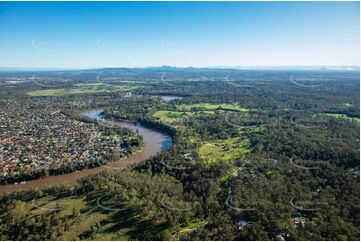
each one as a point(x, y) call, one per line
point(159, 126)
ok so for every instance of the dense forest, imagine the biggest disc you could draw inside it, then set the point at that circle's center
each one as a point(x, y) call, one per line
point(256, 155)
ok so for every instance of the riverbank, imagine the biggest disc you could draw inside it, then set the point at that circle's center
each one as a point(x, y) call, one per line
point(155, 141)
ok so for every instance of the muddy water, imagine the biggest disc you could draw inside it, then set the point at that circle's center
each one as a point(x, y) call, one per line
point(155, 142)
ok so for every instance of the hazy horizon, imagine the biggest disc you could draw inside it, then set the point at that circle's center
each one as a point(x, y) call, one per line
point(321, 67)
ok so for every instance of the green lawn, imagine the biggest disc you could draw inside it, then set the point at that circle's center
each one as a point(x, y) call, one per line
point(169, 117)
point(89, 215)
point(90, 84)
point(192, 225)
point(230, 173)
point(173, 117)
point(224, 150)
point(208, 106)
point(342, 116)
point(47, 204)
point(185, 110)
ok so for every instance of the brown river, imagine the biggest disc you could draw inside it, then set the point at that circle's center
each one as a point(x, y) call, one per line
point(155, 142)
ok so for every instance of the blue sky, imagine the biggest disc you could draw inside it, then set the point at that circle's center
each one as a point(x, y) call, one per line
point(114, 34)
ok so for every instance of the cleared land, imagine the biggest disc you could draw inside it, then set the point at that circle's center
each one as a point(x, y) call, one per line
point(182, 111)
point(342, 116)
point(186, 228)
point(211, 151)
point(208, 106)
point(71, 91)
point(224, 150)
point(89, 216)
point(175, 117)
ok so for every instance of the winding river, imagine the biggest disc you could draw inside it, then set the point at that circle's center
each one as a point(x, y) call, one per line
point(155, 142)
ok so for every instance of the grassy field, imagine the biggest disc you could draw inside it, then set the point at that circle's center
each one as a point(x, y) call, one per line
point(208, 106)
point(94, 222)
point(89, 217)
point(65, 207)
point(120, 82)
point(211, 152)
point(192, 226)
point(174, 117)
point(224, 150)
point(185, 110)
point(88, 90)
point(91, 84)
point(342, 116)
point(169, 117)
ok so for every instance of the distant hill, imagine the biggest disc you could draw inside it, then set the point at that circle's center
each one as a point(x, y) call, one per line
point(165, 68)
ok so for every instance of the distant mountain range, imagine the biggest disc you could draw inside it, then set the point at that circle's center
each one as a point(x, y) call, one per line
point(341, 68)
point(165, 68)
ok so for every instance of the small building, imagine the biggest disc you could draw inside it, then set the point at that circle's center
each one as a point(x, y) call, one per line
point(243, 224)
